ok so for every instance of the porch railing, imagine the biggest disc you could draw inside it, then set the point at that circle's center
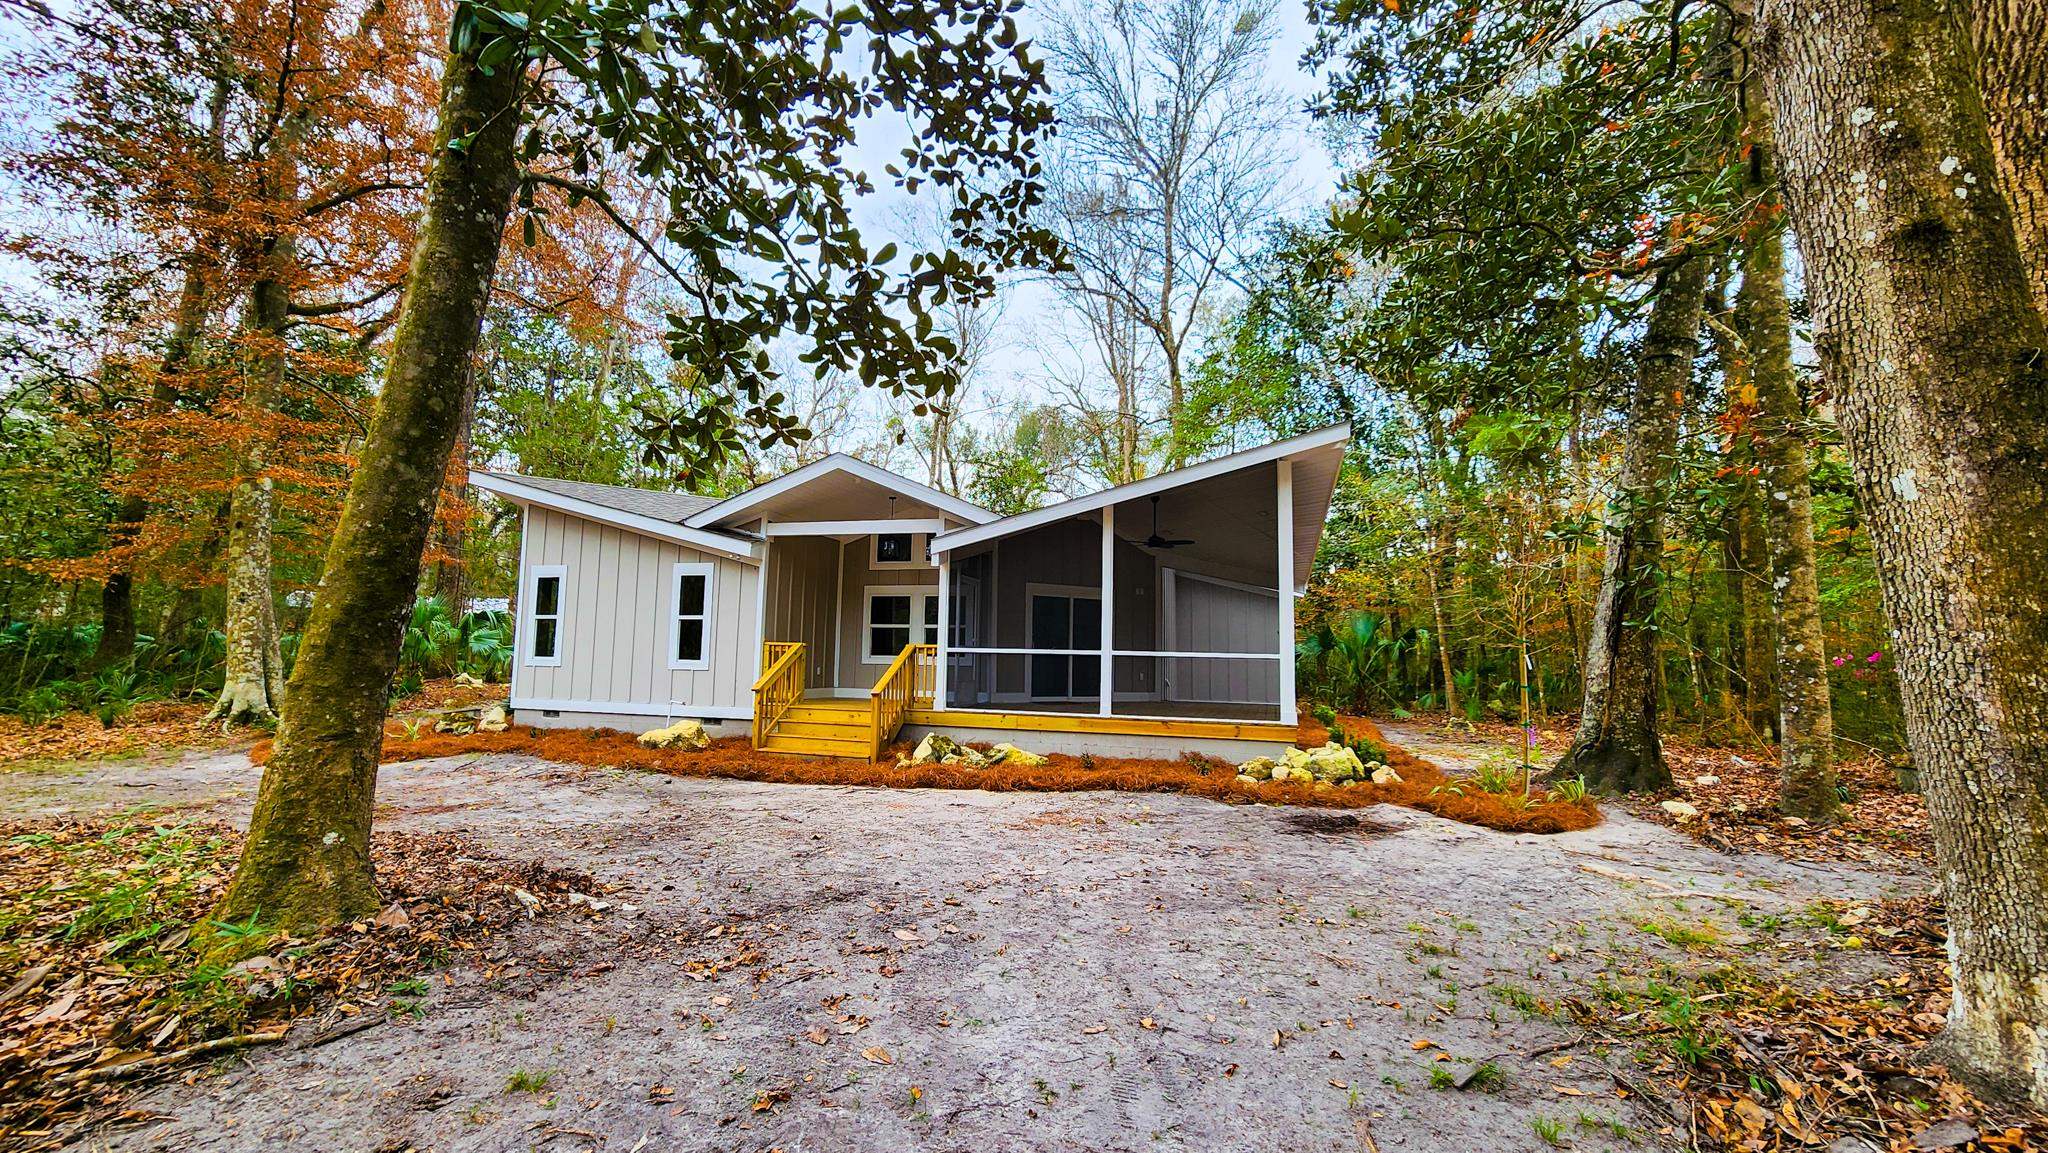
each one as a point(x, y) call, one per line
point(906, 685)
point(781, 685)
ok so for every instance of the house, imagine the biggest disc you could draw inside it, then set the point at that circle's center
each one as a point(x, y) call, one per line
point(839, 607)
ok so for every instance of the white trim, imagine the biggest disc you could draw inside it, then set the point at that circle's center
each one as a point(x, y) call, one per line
point(761, 612)
point(534, 575)
point(840, 462)
point(617, 518)
point(1284, 578)
point(519, 633)
point(916, 593)
point(677, 572)
point(1307, 442)
point(637, 709)
point(920, 548)
point(945, 632)
point(1107, 688)
point(1220, 656)
point(928, 526)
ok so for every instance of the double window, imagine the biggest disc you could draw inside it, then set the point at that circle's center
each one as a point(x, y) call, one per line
point(896, 616)
point(544, 615)
point(690, 594)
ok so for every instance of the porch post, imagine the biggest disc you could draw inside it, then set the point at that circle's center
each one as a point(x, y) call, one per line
point(761, 604)
point(945, 630)
point(1284, 529)
point(1107, 687)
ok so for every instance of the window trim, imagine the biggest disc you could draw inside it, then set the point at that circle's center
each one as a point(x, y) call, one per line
point(867, 616)
point(677, 572)
point(529, 617)
point(920, 547)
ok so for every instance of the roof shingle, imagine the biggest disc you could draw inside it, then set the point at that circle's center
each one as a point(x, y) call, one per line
point(673, 507)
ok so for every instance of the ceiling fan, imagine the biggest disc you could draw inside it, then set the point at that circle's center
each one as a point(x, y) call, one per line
point(1157, 541)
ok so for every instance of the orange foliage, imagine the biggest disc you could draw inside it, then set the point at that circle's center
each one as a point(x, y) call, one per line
point(733, 759)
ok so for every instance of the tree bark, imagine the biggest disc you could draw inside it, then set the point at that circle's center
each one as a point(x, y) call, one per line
point(253, 685)
point(1929, 335)
point(306, 862)
point(1617, 747)
point(1806, 719)
point(2007, 39)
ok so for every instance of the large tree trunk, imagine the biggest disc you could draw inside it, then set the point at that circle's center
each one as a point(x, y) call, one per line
point(1617, 746)
point(306, 862)
point(2008, 38)
point(253, 687)
point(1806, 719)
point(117, 596)
point(1929, 337)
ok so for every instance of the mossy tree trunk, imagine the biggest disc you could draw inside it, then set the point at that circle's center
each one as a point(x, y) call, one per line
point(306, 862)
point(1617, 747)
point(1930, 337)
point(1779, 434)
point(253, 685)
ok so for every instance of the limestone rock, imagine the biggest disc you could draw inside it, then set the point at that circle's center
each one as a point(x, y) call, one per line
point(494, 720)
point(1258, 769)
point(1009, 754)
point(1680, 810)
point(1334, 762)
point(1706, 780)
point(684, 734)
point(1384, 775)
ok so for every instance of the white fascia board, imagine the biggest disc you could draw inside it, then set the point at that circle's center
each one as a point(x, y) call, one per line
point(1139, 489)
point(618, 518)
point(739, 505)
point(777, 528)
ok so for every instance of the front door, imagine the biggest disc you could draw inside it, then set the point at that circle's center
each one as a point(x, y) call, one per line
point(1066, 621)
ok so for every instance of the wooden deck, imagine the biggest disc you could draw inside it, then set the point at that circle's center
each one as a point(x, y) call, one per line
point(1118, 726)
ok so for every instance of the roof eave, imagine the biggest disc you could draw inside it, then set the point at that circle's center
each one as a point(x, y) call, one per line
point(683, 534)
point(743, 503)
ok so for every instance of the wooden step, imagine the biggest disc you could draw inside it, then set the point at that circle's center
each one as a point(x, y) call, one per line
point(818, 714)
point(816, 746)
point(854, 730)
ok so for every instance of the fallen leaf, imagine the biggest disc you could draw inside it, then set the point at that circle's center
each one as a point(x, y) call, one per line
point(876, 1055)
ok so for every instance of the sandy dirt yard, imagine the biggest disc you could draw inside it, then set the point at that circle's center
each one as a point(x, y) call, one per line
point(813, 968)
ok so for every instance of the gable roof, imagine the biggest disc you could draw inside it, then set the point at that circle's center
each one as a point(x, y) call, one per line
point(669, 506)
point(1317, 454)
point(750, 503)
point(649, 513)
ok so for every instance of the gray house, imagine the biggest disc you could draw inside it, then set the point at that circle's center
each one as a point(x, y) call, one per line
point(836, 607)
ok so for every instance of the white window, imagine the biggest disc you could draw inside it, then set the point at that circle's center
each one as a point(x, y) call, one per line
point(900, 550)
point(544, 614)
point(888, 623)
point(689, 622)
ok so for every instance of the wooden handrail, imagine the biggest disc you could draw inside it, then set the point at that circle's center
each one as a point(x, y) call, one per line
point(908, 680)
point(781, 686)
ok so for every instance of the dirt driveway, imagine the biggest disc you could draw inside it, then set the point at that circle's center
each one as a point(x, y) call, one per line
point(816, 968)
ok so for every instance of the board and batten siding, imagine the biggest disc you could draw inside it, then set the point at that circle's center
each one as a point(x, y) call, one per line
point(617, 594)
point(1218, 617)
point(803, 582)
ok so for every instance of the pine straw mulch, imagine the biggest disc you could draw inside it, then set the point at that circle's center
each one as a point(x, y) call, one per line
point(1833, 1061)
point(1881, 822)
point(101, 990)
point(1423, 786)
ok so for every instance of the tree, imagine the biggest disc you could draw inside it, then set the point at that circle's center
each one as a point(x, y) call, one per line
point(1170, 160)
point(744, 131)
point(1618, 746)
point(1932, 340)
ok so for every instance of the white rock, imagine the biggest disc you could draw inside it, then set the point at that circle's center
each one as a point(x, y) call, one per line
point(1680, 810)
point(1706, 780)
point(685, 734)
point(1385, 776)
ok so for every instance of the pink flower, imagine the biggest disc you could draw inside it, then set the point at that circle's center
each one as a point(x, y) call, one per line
point(1840, 661)
point(1874, 657)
